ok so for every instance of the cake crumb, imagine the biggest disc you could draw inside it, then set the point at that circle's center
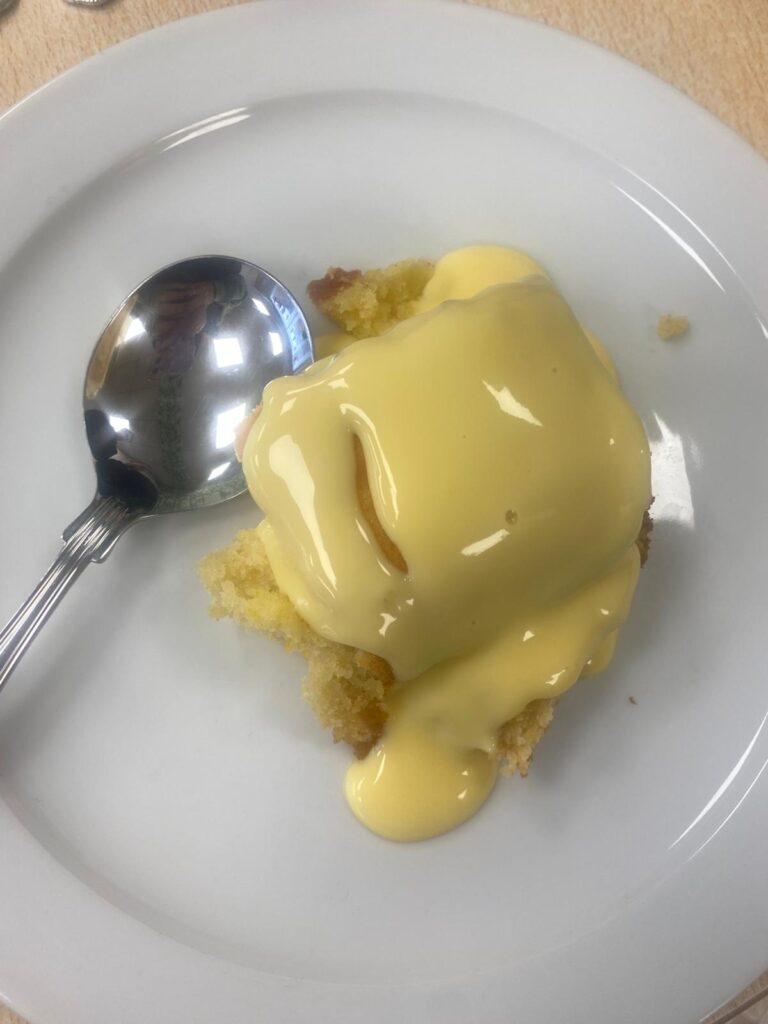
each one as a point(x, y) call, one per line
point(672, 325)
point(632, 700)
point(367, 303)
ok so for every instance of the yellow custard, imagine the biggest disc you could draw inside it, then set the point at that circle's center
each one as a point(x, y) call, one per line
point(508, 469)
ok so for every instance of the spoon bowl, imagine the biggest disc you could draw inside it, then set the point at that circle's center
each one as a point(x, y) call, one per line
point(179, 366)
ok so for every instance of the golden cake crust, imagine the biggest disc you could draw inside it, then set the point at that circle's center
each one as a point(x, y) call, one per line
point(366, 304)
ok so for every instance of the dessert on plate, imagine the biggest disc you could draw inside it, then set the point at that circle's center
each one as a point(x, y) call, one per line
point(456, 507)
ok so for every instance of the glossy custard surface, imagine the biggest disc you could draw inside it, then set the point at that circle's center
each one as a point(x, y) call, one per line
point(511, 474)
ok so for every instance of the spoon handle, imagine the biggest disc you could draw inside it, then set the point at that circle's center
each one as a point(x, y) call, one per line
point(89, 539)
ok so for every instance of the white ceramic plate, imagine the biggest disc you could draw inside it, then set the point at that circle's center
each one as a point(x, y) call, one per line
point(174, 845)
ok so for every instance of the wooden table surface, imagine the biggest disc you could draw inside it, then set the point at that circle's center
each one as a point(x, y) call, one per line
point(715, 50)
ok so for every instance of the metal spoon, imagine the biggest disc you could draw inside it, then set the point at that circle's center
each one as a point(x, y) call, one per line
point(178, 367)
